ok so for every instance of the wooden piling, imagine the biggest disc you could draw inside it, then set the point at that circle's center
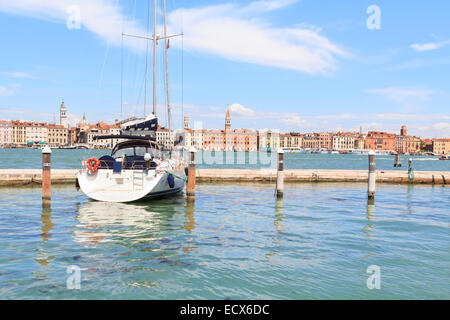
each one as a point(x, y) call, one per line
point(398, 161)
point(372, 176)
point(191, 174)
point(46, 176)
point(280, 174)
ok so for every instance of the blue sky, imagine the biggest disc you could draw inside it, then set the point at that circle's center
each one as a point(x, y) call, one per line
point(309, 65)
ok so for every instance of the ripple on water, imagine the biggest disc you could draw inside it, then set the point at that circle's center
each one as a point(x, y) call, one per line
point(234, 241)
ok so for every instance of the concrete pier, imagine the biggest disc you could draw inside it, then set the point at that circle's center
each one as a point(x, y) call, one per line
point(21, 177)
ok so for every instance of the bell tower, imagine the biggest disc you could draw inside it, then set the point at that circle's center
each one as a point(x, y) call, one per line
point(186, 122)
point(228, 120)
point(403, 131)
point(63, 115)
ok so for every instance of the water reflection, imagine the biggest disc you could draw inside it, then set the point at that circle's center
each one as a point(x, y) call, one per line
point(369, 228)
point(42, 257)
point(278, 215)
point(189, 225)
point(102, 222)
point(277, 222)
point(409, 199)
point(47, 224)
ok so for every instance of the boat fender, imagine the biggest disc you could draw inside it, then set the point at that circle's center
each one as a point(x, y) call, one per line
point(171, 181)
point(186, 171)
point(77, 184)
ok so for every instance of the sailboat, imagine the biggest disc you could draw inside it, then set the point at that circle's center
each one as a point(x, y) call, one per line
point(137, 168)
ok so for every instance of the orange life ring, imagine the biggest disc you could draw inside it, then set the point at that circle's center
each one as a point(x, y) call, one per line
point(92, 164)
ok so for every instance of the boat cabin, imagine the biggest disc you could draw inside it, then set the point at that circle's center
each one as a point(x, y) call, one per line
point(130, 154)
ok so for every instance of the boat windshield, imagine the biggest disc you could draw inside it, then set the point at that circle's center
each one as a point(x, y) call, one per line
point(133, 151)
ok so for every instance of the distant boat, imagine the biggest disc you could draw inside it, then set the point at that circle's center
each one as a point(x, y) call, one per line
point(447, 157)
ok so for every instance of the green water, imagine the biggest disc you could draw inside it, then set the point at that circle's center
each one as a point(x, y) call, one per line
point(71, 159)
point(236, 241)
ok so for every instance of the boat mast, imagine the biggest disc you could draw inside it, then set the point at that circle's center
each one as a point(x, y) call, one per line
point(154, 59)
point(146, 60)
point(167, 65)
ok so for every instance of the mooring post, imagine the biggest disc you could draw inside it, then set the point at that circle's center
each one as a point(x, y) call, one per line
point(372, 176)
point(191, 173)
point(46, 178)
point(398, 161)
point(410, 171)
point(280, 173)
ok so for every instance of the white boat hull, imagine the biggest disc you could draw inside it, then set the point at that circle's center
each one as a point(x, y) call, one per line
point(129, 185)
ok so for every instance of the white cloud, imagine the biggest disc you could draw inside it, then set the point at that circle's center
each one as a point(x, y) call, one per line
point(337, 116)
point(293, 121)
point(429, 46)
point(231, 31)
point(267, 5)
point(411, 99)
point(402, 94)
point(101, 17)
point(239, 109)
point(20, 75)
point(443, 126)
point(9, 90)
point(411, 116)
point(23, 114)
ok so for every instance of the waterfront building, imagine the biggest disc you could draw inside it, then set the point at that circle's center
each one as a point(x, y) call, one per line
point(164, 137)
point(114, 130)
point(344, 141)
point(427, 145)
point(218, 140)
point(285, 140)
point(36, 133)
point(212, 140)
point(81, 132)
point(240, 140)
point(441, 146)
point(309, 141)
point(72, 135)
point(197, 139)
point(58, 135)
point(6, 132)
point(185, 135)
point(324, 140)
point(290, 140)
point(19, 132)
point(268, 140)
point(378, 140)
point(296, 140)
point(99, 129)
point(405, 143)
point(63, 115)
point(359, 142)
